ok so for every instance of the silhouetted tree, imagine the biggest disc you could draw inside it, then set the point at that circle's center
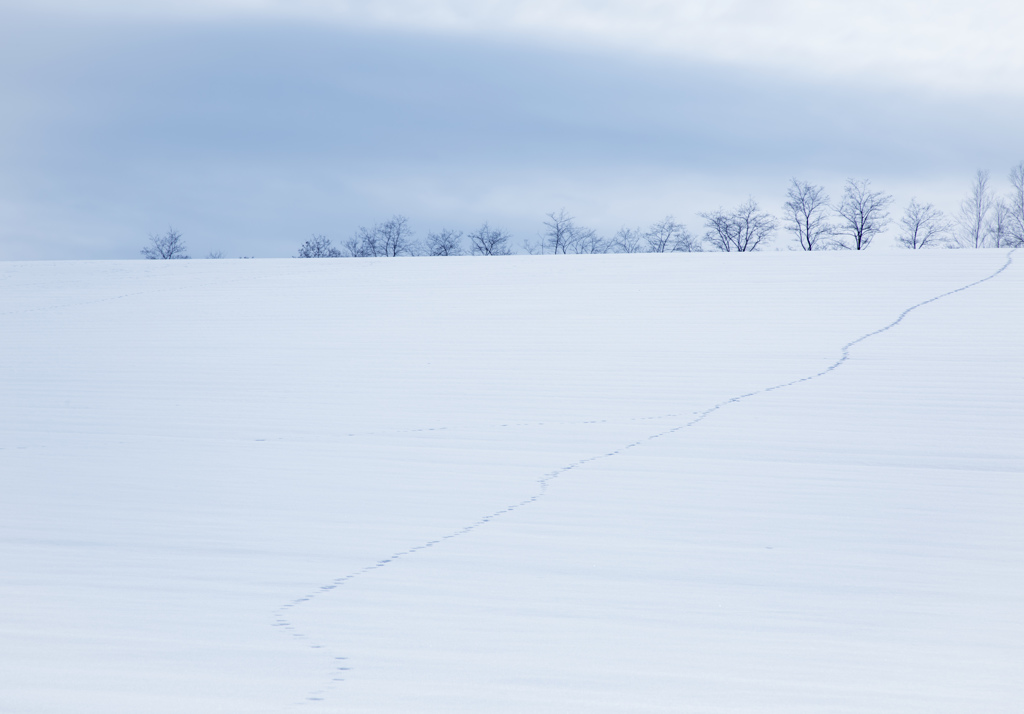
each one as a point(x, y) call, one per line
point(363, 244)
point(667, 236)
point(564, 236)
point(445, 242)
point(489, 241)
point(559, 232)
point(1016, 205)
point(807, 213)
point(169, 246)
point(318, 247)
point(389, 239)
point(922, 227)
point(396, 237)
point(998, 230)
point(586, 240)
point(862, 215)
point(975, 210)
point(628, 240)
point(745, 229)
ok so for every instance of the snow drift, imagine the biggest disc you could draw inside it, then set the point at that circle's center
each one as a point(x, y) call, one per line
point(643, 483)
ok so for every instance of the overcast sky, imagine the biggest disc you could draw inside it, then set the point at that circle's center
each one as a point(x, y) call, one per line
point(250, 125)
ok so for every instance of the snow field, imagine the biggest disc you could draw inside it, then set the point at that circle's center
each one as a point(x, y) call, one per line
point(189, 447)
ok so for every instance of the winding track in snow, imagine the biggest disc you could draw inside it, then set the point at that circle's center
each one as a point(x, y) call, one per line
point(280, 615)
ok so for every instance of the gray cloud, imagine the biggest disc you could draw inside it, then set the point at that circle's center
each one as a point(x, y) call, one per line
point(946, 44)
point(249, 135)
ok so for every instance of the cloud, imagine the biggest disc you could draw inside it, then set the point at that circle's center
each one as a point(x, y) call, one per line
point(943, 44)
point(251, 134)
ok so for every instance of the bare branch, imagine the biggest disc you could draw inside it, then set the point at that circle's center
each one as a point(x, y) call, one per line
point(564, 236)
point(972, 223)
point(998, 228)
point(1016, 205)
point(532, 248)
point(807, 214)
point(169, 246)
point(386, 240)
point(396, 237)
point(745, 229)
point(445, 242)
point(628, 240)
point(586, 240)
point(318, 247)
point(862, 214)
point(559, 232)
point(667, 236)
point(490, 241)
point(923, 227)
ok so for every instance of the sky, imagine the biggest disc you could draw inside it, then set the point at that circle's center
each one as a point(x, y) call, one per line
point(251, 125)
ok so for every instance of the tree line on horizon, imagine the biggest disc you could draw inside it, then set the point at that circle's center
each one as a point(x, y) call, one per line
point(812, 219)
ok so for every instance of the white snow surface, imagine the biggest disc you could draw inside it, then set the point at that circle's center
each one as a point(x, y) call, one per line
point(495, 485)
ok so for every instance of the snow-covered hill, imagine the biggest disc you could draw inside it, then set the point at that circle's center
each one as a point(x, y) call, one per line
point(527, 484)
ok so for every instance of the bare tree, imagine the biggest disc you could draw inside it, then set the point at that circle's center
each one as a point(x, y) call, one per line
point(560, 228)
point(445, 242)
point(364, 244)
point(389, 240)
point(169, 246)
point(628, 240)
point(972, 223)
point(396, 237)
point(668, 236)
point(318, 247)
point(564, 236)
point(807, 214)
point(923, 226)
point(532, 248)
point(559, 231)
point(660, 236)
point(1016, 204)
point(489, 241)
point(862, 214)
point(685, 242)
point(215, 255)
point(998, 230)
point(586, 240)
point(745, 229)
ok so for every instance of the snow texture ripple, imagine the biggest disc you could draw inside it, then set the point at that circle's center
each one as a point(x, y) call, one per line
point(281, 615)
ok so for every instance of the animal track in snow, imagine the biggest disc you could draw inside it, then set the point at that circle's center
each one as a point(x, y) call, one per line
point(280, 615)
